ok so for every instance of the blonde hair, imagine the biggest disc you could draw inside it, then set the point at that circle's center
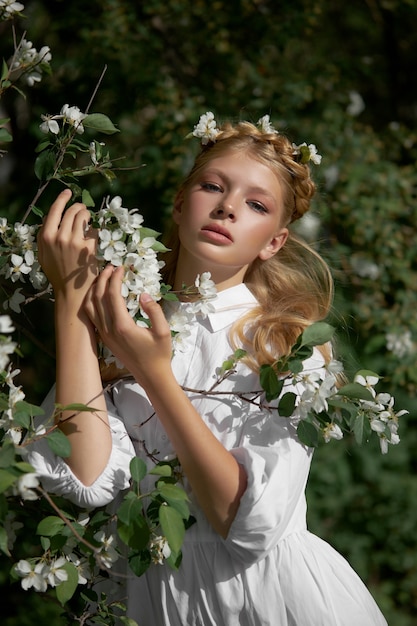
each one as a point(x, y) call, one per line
point(294, 288)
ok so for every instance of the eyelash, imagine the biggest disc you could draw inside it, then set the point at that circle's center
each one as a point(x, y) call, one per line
point(214, 187)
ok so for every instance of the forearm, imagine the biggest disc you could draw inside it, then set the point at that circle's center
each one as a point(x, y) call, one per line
point(78, 380)
point(216, 478)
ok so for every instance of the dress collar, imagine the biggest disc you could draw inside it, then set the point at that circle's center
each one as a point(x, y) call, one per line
point(229, 305)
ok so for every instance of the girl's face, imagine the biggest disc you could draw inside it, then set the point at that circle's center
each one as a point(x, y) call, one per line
point(231, 214)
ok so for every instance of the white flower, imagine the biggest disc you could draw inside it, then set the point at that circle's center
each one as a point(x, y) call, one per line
point(6, 347)
point(206, 287)
point(19, 266)
point(332, 431)
point(25, 486)
point(307, 153)
point(49, 124)
point(83, 569)
point(112, 246)
point(8, 7)
point(54, 572)
point(356, 104)
point(369, 382)
point(159, 549)
point(206, 128)
point(31, 577)
point(108, 554)
point(400, 344)
point(6, 324)
point(73, 117)
point(265, 125)
point(364, 267)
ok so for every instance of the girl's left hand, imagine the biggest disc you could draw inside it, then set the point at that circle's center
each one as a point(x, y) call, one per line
point(145, 352)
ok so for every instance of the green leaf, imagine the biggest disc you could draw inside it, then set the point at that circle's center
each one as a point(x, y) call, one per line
point(127, 621)
point(139, 562)
point(317, 334)
point(4, 70)
point(176, 497)
point(66, 590)
point(45, 165)
point(286, 405)
point(295, 365)
point(5, 136)
point(6, 479)
point(137, 469)
point(101, 123)
point(131, 525)
point(355, 391)
point(7, 454)
point(50, 526)
point(37, 211)
point(361, 428)
point(4, 541)
point(162, 470)
point(59, 443)
point(270, 383)
point(172, 526)
point(307, 433)
point(86, 198)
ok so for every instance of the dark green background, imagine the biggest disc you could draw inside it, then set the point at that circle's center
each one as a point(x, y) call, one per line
point(167, 63)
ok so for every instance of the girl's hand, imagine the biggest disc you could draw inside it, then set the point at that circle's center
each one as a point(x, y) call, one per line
point(145, 352)
point(67, 251)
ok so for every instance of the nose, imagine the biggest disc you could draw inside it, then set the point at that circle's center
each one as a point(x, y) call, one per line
point(225, 211)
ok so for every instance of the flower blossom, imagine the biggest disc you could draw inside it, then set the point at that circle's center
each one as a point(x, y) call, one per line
point(25, 487)
point(206, 128)
point(265, 125)
point(307, 153)
point(31, 577)
point(108, 554)
point(6, 324)
point(159, 550)
point(8, 8)
point(399, 344)
point(54, 572)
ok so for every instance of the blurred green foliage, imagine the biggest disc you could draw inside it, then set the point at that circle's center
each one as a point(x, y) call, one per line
point(311, 65)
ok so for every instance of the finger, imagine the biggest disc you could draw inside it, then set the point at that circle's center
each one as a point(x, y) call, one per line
point(156, 315)
point(96, 305)
point(53, 219)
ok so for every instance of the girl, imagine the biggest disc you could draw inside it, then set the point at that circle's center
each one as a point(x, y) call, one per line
point(248, 559)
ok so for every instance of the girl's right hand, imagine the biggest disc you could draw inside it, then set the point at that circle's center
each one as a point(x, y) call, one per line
point(67, 252)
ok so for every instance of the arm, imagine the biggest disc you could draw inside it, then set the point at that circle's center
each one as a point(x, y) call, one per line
point(216, 478)
point(68, 260)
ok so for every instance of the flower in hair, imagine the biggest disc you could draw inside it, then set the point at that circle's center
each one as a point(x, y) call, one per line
point(307, 153)
point(265, 125)
point(206, 128)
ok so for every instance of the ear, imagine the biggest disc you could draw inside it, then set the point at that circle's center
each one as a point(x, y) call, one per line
point(176, 213)
point(274, 245)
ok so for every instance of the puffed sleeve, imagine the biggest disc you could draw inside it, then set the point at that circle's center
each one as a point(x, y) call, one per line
point(277, 466)
point(56, 476)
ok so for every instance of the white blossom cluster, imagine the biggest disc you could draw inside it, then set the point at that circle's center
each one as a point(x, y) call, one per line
point(70, 115)
point(307, 153)
point(159, 549)
point(317, 389)
point(380, 412)
point(400, 344)
point(123, 240)
point(8, 8)
point(30, 63)
point(20, 242)
point(206, 129)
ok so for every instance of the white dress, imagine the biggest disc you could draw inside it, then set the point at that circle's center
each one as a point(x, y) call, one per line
point(270, 570)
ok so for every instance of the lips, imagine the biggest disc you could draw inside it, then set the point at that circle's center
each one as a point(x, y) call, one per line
point(217, 231)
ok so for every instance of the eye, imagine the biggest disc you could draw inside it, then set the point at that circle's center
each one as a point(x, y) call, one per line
point(257, 206)
point(213, 187)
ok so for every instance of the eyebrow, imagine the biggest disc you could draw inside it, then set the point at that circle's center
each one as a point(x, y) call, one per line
point(254, 189)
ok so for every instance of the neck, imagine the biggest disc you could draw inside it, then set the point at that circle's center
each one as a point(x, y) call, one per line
point(223, 277)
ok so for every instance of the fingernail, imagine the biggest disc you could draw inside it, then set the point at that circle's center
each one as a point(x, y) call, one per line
point(145, 297)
